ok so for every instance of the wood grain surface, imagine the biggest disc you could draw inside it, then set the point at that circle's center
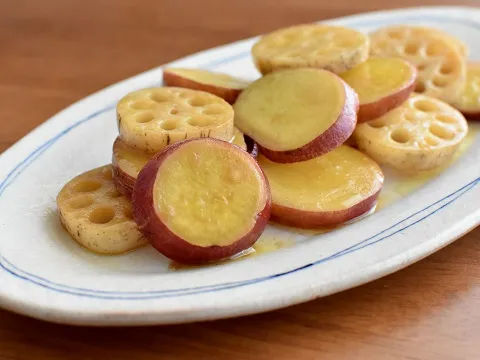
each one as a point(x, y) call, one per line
point(54, 52)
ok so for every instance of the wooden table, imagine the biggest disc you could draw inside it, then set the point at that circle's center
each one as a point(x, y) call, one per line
point(54, 52)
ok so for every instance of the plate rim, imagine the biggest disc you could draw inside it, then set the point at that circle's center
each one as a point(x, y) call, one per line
point(3, 185)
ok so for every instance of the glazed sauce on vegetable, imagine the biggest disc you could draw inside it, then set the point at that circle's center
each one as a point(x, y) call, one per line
point(396, 186)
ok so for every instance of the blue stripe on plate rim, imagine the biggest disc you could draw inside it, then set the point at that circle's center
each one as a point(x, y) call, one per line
point(415, 218)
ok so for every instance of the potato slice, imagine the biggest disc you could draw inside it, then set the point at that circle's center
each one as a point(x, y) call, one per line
point(382, 84)
point(225, 86)
point(297, 114)
point(127, 161)
point(151, 119)
point(96, 215)
point(201, 200)
point(469, 101)
point(325, 191)
point(421, 134)
point(441, 67)
point(329, 47)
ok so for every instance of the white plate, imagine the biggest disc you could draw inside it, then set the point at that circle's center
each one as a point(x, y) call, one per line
point(44, 274)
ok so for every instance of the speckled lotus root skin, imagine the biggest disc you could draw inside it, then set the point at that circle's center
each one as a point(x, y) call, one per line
point(96, 215)
point(421, 134)
point(328, 47)
point(439, 58)
point(151, 119)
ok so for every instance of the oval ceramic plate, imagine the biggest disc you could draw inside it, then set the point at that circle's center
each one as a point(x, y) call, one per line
point(44, 274)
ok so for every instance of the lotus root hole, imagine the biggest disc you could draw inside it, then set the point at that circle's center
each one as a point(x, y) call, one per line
point(410, 117)
point(114, 194)
point(446, 69)
point(213, 110)
point(446, 119)
point(420, 87)
point(401, 136)
point(159, 97)
point(441, 132)
point(80, 202)
point(431, 141)
point(411, 49)
point(87, 186)
point(425, 106)
point(197, 101)
point(200, 121)
point(127, 212)
point(421, 67)
point(141, 105)
point(102, 215)
point(395, 34)
point(168, 125)
point(144, 118)
point(434, 49)
point(440, 81)
point(376, 123)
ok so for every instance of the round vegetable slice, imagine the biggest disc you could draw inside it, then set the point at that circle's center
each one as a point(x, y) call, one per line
point(151, 119)
point(201, 200)
point(421, 134)
point(382, 84)
point(329, 47)
point(469, 101)
point(297, 114)
point(325, 191)
point(96, 215)
point(439, 61)
point(225, 86)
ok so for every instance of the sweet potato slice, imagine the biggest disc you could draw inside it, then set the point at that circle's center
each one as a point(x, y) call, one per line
point(225, 86)
point(201, 200)
point(382, 84)
point(298, 114)
point(325, 191)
